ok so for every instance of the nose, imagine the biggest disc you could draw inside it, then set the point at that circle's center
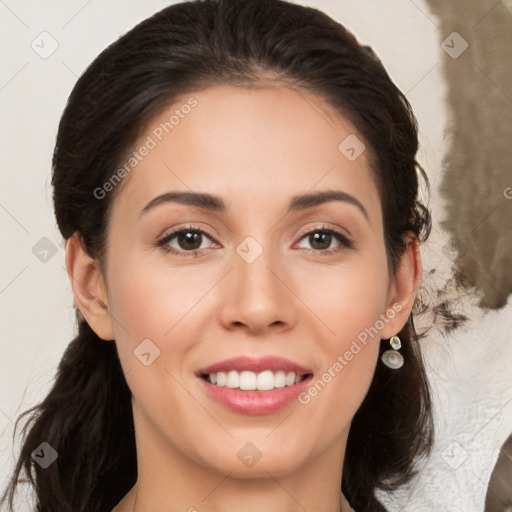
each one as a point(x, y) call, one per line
point(258, 295)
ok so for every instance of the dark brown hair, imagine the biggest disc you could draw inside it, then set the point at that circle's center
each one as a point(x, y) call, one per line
point(87, 415)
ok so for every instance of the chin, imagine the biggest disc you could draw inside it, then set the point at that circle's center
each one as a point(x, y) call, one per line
point(250, 462)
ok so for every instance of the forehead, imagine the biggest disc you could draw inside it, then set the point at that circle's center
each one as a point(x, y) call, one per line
point(254, 146)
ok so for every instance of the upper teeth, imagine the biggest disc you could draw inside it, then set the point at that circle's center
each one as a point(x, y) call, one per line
point(247, 380)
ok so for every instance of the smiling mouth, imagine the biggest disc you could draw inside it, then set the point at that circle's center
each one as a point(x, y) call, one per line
point(248, 380)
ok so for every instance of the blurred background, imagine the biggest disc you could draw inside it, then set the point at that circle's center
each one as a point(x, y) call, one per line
point(453, 60)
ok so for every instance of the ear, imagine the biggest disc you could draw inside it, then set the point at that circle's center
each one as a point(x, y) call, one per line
point(89, 287)
point(404, 286)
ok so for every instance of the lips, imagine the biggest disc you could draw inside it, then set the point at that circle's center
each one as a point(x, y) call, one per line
point(255, 385)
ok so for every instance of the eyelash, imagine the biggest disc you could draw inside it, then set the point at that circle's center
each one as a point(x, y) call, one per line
point(345, 241)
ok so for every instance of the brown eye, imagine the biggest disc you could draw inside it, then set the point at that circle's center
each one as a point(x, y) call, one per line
point(320, 241)
point(185, 241)
point(189, 240)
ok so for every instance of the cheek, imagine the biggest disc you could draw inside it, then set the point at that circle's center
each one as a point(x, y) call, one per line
point(151, 309)
point(350, 303)
point(169, 307)
point(348, 299)
point(152, 302)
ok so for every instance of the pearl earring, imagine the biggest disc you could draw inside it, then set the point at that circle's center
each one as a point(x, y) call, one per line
point(392, 358)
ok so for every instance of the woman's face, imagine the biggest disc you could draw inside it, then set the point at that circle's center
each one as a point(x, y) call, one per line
point(263, 276)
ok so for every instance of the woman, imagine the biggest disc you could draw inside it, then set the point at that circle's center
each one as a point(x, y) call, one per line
point(237, 186)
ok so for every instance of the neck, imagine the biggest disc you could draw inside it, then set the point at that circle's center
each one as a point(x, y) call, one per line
point(170, 481)
point(133, 503)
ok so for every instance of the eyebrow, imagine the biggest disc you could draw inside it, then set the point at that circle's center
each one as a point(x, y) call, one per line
point(216, 204)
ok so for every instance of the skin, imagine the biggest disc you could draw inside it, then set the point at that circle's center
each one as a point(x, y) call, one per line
point(255, 149)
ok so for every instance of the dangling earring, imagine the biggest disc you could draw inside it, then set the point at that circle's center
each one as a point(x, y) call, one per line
point(392, 358)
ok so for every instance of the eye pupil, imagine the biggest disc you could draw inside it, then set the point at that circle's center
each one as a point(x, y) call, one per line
point(189, 239)
point(320, 237)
